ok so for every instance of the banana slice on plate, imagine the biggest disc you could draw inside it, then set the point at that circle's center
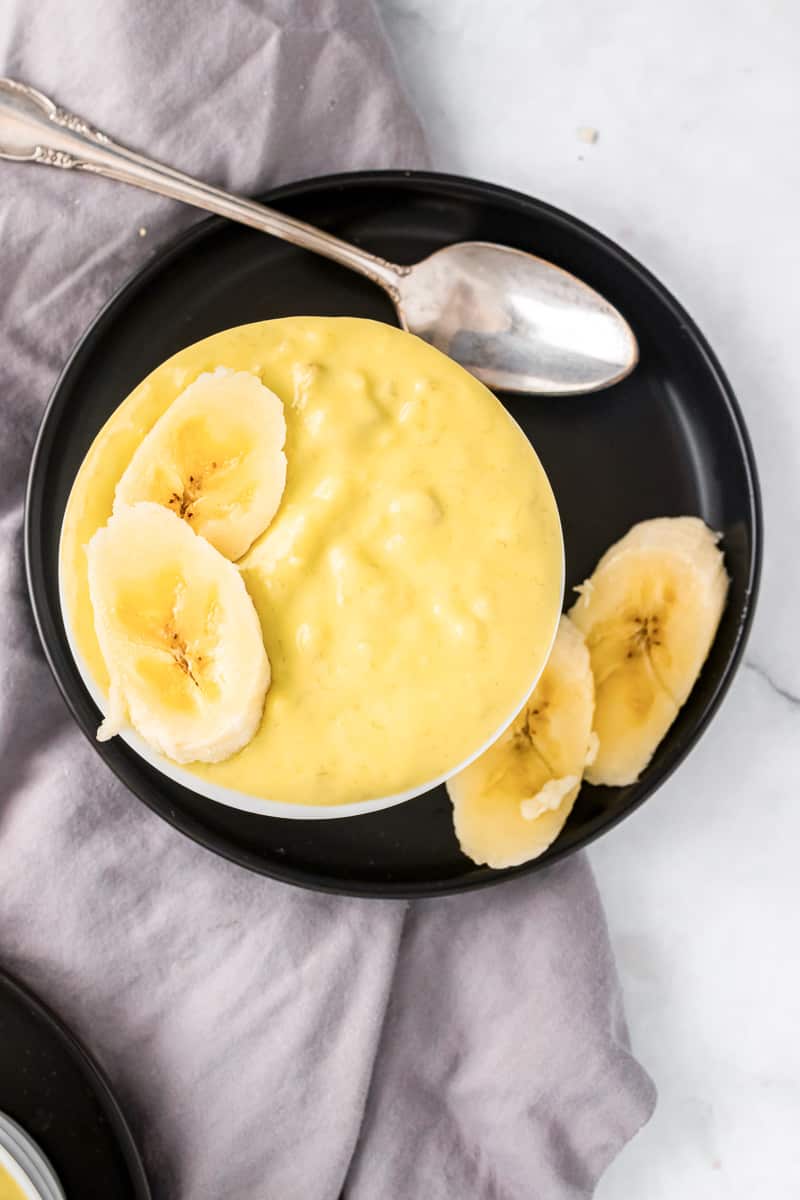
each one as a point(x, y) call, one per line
point(179, 634)
point(511, 803)
point(649, 614)
point(215, 457)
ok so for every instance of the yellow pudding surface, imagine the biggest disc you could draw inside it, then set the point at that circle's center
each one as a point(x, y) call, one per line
point(408, 588)
point(9, 1188)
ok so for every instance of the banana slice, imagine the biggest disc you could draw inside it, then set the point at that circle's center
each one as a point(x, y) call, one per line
point(512, 802)
point(649, 614)
point(179, 635)
point(216, 459)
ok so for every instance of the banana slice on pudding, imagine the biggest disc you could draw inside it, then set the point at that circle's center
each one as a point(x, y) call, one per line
point(216, 459)
point(649, 614)
point(511, 803)
point(179, 635)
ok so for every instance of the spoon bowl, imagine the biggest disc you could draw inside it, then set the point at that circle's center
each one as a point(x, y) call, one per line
point(517, 322)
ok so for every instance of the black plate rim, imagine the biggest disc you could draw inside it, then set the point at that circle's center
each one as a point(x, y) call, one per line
point(479, 190)
point(97, 1077)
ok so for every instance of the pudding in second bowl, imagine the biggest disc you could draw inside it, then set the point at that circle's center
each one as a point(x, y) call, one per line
point(407, 588)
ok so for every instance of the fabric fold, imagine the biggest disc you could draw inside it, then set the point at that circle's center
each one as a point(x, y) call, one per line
point(504, 1069)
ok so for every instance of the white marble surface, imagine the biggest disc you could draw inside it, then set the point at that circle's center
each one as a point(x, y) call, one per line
point(696, 171)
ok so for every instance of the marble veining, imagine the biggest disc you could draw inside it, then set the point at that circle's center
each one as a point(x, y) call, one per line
point(764, 674)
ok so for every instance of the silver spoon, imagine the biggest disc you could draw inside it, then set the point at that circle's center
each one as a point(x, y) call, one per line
point(517, 322)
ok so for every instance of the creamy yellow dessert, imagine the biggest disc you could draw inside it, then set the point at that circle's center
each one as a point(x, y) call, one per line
point(9, 1188)
point(409, 586)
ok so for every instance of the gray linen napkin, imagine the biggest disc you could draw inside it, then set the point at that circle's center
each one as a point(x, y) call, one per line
point(264, 1042)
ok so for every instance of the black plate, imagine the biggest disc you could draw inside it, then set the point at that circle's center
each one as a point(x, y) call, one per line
point(50, 1086)
point(668, 440)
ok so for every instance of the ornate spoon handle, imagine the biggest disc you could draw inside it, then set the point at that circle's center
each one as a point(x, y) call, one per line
point(34, 129)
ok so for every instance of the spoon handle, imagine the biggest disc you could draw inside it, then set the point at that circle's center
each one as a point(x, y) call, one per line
point(34, 129)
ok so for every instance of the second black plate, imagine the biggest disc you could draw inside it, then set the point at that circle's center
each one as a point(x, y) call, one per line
point(50, 1086)
point(669, 440)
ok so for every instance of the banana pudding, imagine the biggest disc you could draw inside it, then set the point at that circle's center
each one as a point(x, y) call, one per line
point(313, 561)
